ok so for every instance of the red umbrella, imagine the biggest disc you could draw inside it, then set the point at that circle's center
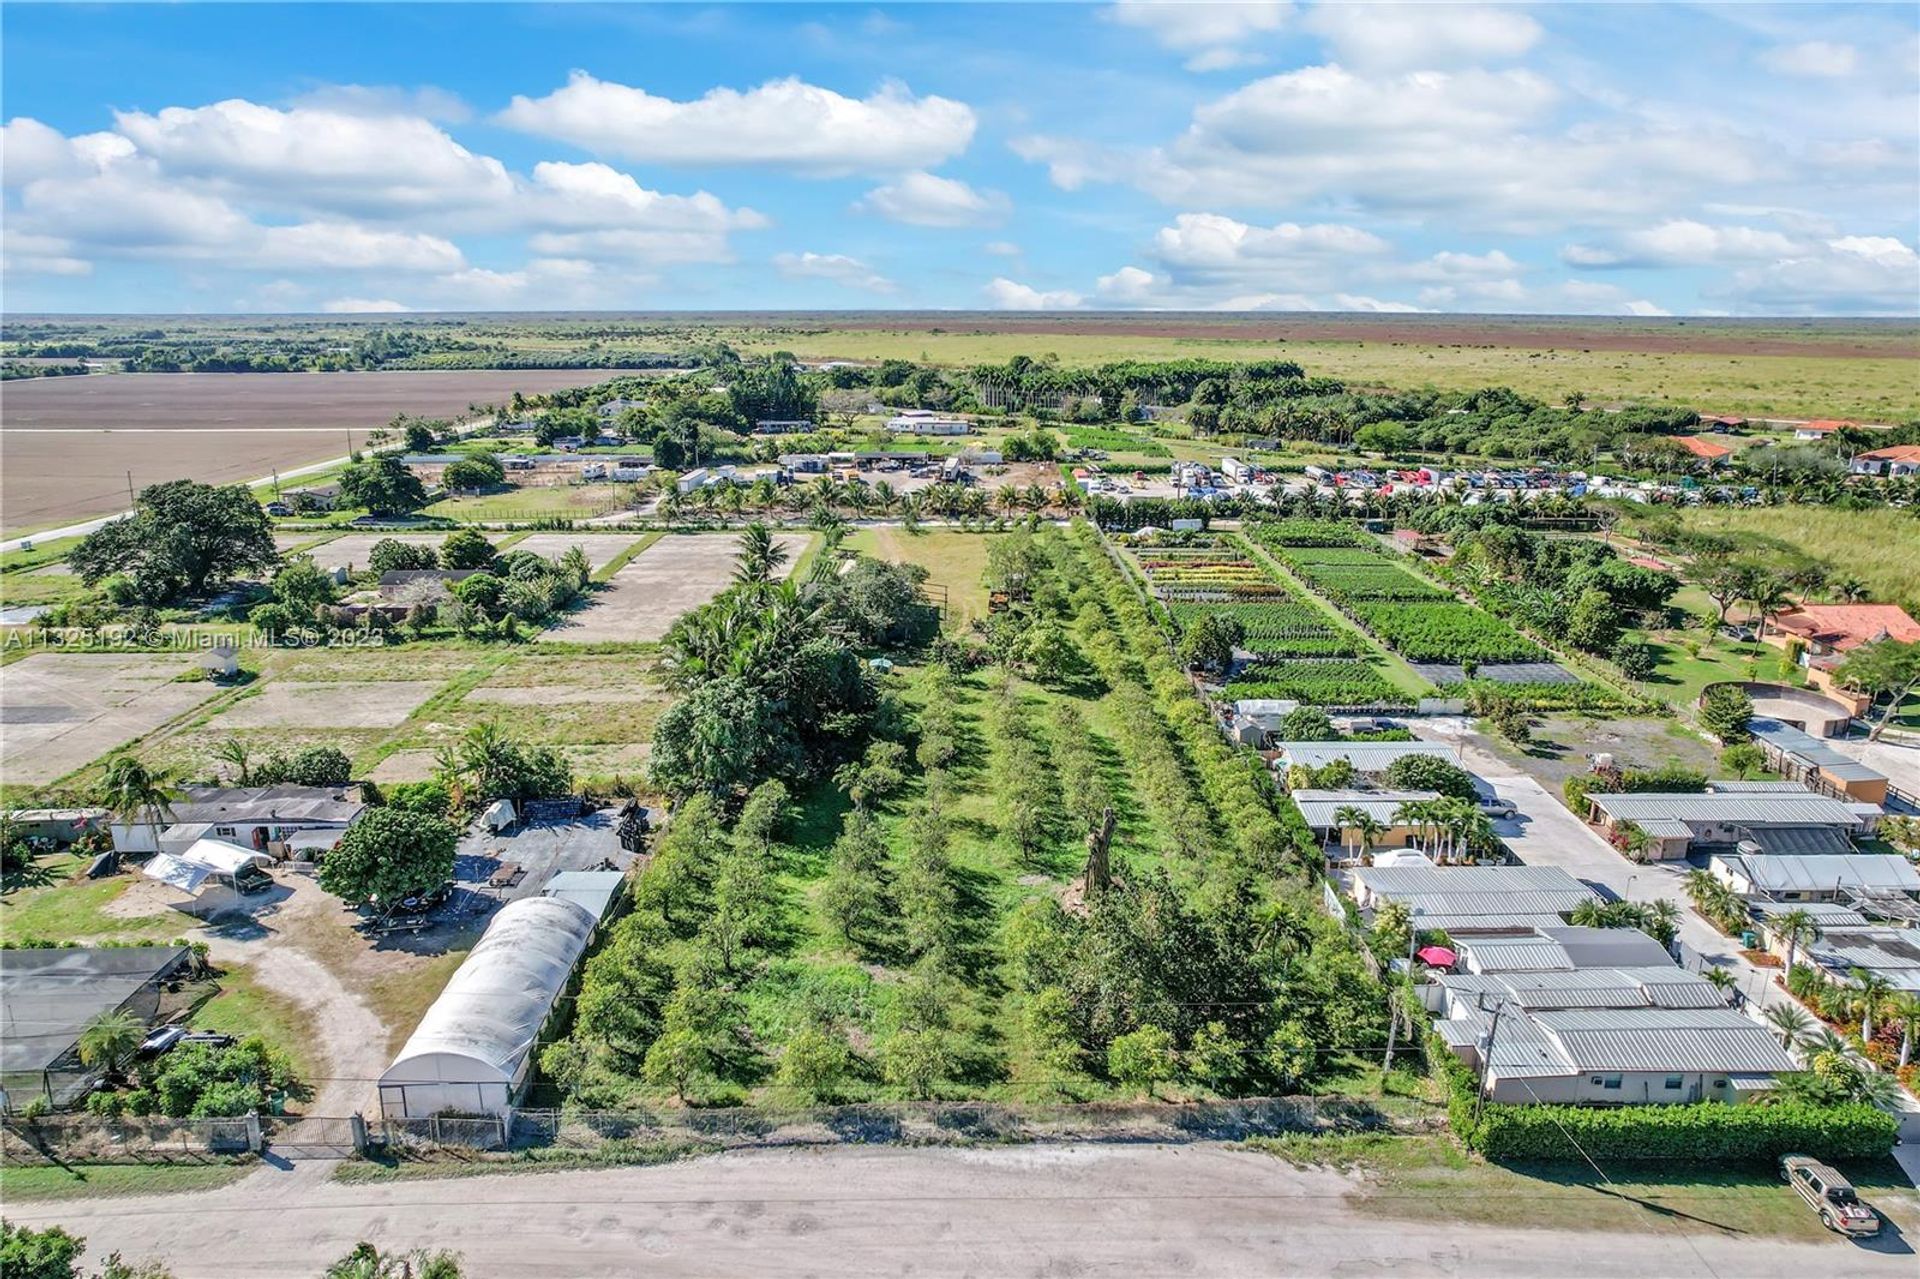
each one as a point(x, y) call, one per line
point(1436, 956)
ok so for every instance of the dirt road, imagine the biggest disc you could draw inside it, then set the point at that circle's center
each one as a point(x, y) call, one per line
point(1076, 1210)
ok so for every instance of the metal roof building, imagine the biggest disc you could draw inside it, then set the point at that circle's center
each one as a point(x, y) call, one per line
point(1737, 809)
point(47, 997)
point(1829, 877)
point(1561, 948)
point(1658, 986)
point(1366, 757)
point(1800, 754)
point(473, 1051)
point(1319, 807)
point(1893, 953)
point(1500, 899)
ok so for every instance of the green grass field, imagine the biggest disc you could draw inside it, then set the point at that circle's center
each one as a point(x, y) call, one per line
point(954, 562)
point(1881, 546)
point(566, 501)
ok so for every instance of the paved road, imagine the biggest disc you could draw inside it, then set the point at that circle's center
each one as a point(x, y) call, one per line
point(1066, 1210)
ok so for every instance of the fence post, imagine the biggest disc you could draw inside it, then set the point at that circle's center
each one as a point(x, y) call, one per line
point(357, 1125)
point(255, 1138)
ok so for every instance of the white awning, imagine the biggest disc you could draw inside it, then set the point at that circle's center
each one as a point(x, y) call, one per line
point(207, 857)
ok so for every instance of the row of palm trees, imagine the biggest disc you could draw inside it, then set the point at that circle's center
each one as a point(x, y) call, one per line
point(858, 499)
point(1446, 829)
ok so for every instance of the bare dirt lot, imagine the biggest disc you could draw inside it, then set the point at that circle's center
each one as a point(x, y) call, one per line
point(369, 704)
point(68, 443)
point(1088, 1210)
point(356, 548)
point(61, 711)
point(673, 575)
point(600, 548)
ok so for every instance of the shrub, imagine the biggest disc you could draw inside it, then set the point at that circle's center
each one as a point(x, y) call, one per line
point(1706, 1132)
point(1743, 759)
point(1428, 772)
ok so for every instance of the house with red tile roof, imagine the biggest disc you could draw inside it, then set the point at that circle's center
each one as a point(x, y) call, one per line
point(1819, 430)
point(1831, 631)
point(1705, 450)
point(1896, 461)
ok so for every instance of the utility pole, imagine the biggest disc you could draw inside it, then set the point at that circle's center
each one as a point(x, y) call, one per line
point(130, 497)
point(1486, 1060)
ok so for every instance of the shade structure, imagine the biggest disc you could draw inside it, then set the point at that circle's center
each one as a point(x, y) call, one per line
point(189, 870)
point(472, 1051)
point(1436, 956)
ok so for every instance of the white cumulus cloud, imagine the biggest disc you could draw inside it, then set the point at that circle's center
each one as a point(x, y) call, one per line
point(1010, 295)
point(926, 199)
point(362, 306)
point(1409, 36)
point(784, 124)
point(1815, 59)
point(1216, 35)
point(837, 268)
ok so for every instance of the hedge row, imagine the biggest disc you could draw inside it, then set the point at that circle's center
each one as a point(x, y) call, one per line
point(1704, 1132)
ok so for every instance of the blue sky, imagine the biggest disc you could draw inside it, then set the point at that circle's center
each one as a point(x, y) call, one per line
point(1621, 159)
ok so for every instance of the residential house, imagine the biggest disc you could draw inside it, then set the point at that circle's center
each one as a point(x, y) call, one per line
point(782, 426)
point(1897, 462)
point(1640, 1055)
point(926, 422)
point(1253, 721)
point(1830, 631)
point(1369, 759)
point(1819, 430)
point(1320, 810)
point(1474, 899)
point(1721, 423)
point(421, 585)
point(1680, 822)
point(258, 817)
point(1707, 451)
point(1890, 953)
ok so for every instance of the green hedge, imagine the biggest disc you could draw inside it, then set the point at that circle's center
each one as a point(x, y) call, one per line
point(1706, 1132)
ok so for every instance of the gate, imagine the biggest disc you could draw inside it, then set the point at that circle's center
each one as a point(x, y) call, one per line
point(309, 1137)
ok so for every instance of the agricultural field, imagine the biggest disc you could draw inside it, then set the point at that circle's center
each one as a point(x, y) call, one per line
point(1300, 652)
point(1417, 620)
point(70, 442)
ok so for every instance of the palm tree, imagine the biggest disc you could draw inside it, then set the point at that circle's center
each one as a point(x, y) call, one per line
point(760, 555)
point(1848, 589)
point(1769, 596)
point(1904, 1009)
point(1795, 927)
point(1349, 817)
point(1724, 981)
point(233, 750)
point(1417, 814)
point(1871, 990)
point(1791, 1022)
point(133, 791)
point(109, 1039)
point(1663, 921)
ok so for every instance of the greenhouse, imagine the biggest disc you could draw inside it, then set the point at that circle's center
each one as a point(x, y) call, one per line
point(472, 1053)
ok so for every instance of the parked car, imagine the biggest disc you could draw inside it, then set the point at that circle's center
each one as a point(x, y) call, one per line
point(1498, 809)
point(1830, 1195)
point(162, 1041)
point(1742, 633)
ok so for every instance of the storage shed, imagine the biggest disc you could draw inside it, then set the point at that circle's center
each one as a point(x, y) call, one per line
point(472, 1054)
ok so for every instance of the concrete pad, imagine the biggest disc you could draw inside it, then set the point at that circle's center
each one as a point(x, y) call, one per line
point(648, 595)
point(601, 548)
point(365, 704)
point(62, 711)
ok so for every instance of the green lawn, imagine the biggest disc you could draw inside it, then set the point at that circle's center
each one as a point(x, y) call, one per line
point(20, 1183)
point(1432, 1178)
point(955, 562)
point(1680, 676)
point(60, 909)
point(245, 1007)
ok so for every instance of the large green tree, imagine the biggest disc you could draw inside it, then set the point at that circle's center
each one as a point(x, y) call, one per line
point(382, 485)
point(1885, 668)
point(182, 538)
point(389, 854)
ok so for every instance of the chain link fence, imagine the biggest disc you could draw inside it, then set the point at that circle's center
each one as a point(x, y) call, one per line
point(93, 1139)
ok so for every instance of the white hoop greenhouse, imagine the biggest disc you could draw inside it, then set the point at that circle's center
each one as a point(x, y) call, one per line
point(473, 1051)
